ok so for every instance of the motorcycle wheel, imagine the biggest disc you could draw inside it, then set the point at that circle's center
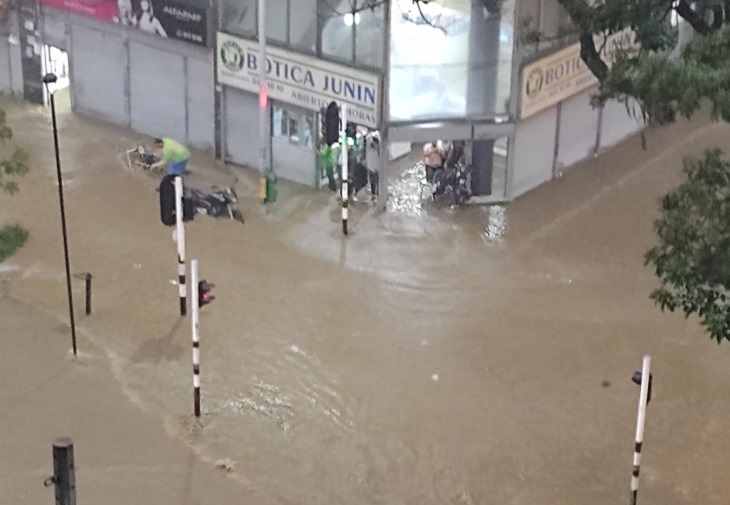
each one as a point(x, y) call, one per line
point(237, 215)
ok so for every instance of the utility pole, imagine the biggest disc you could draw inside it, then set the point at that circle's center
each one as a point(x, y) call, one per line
point(263, 100)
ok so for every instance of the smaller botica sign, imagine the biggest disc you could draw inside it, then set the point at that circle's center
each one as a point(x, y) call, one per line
point(564, 74)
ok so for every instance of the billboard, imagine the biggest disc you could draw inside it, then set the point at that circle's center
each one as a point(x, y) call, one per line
point(164, 18)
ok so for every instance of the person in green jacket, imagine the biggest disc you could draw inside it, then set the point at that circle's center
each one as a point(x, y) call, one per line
point(174, 155)
point(329, 160)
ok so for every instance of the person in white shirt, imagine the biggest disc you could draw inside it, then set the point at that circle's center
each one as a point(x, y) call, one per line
point(434, 155)
point(372, 161)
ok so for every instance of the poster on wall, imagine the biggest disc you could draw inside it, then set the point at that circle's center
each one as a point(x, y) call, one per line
point(163, 18)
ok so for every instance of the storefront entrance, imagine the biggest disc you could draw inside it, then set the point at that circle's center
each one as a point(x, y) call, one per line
point(55, 61)
point(293, 143)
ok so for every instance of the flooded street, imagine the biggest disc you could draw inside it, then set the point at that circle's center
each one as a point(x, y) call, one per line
point(434, 356)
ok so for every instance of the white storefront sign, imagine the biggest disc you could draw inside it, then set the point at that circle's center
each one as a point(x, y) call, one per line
point(300, 80)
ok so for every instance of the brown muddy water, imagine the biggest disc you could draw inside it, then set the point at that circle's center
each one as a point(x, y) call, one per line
point(434, 356)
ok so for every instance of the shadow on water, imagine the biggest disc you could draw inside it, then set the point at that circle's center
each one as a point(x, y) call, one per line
point(155, 350)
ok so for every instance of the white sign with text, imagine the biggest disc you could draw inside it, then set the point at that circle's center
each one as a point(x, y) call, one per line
point(298, 79)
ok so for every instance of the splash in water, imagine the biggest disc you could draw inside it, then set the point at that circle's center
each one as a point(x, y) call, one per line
point(496, 222)
point(405, 194)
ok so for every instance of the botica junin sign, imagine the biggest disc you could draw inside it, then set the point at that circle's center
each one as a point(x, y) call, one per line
point(563, 74)
point(300, 80)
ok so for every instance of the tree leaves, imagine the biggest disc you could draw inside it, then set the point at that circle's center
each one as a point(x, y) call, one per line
point(13, 167)
point(692, 258)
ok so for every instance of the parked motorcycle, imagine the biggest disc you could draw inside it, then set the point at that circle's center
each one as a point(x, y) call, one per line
point(454, 179)
point(219, 202)
point(144, 159)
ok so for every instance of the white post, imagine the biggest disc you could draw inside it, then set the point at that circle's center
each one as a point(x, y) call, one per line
point(180, 239)
point(641, 418)
point(263, 98)
point(345, 174)
point(196, 337)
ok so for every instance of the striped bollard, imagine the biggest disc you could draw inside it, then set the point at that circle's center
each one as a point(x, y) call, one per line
point(345, 171)
point(644, 396)
point(180, 239)
point(194, 302)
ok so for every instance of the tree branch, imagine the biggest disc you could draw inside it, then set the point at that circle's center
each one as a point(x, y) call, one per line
point(582, 15)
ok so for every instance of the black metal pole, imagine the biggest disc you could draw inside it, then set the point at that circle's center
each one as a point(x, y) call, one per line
point(64, 471)
point(63, 226)
point(88, 294)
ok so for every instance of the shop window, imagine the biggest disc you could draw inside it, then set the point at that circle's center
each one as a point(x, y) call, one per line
point(369, 38)
point(351, 32)
point(303, 25)
point(337, 31)
point(277, 20)
point(239, 16)
point(543, 25)
point(295, 126)
point(453, 61)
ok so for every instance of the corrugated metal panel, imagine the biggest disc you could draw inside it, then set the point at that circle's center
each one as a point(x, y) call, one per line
point(578, 129)
point(54, 28)
point(6, 84)
point(534, 148)
point(201, 104)
point(98, 65)
point(241, 116)
point(157, 92)
point(618, 123)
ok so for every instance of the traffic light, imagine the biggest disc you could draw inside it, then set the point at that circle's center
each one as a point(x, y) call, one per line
point(167, 203)
point(637, 377)
point(167, 200)
point(323, 121)
point(351, 130)
point(204, 294)
point(332, 124)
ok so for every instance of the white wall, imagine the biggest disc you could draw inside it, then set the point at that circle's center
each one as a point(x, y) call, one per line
point(578, 138)
point(11, 71)
point(617, 124)
point(534, 151)
point(578, 129)
point(6, 84)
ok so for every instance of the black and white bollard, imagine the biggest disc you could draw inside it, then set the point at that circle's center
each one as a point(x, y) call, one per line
point(180, 240)
point(641, 418)
point(194, 303)
point(345, 171)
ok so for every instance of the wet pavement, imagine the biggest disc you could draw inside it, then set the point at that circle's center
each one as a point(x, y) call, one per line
point(433, 356)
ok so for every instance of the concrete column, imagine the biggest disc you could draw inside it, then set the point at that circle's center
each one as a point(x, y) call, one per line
point(481, 87)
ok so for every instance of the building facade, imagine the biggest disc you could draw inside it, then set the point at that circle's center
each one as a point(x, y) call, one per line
point(448, 69)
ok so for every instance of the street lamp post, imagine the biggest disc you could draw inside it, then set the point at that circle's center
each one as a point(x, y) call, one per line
point(49, 79)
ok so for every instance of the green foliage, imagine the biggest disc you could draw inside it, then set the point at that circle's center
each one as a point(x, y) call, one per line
point(666, 81)
point(13, 167)
point(668, 88)
point(11, 239)
point(692, 257)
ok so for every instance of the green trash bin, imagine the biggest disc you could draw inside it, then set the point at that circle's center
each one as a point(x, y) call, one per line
point(272, 192)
